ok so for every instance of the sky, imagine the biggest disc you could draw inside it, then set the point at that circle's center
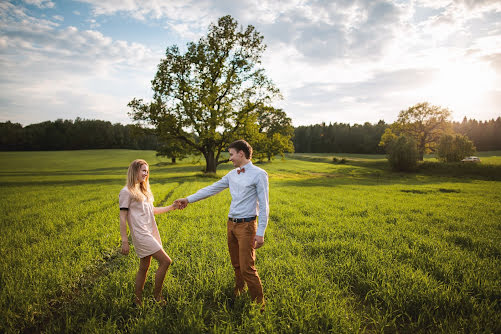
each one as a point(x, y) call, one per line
point(345, 61)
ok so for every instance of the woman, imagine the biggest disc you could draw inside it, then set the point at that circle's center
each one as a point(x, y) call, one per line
point(136, 207)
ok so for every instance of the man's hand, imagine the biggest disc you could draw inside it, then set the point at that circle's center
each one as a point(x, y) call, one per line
point(125, 247)
point(181, 203)
point(258, 241)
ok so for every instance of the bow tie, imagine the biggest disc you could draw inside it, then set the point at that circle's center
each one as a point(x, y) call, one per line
point(241, 170)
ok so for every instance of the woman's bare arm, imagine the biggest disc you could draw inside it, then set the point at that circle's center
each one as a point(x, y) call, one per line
point(164, 209)
point(123, 232)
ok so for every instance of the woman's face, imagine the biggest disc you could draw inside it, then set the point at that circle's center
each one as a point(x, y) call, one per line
point(143, 173)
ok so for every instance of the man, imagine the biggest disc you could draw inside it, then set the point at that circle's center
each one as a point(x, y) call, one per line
point(249, 192)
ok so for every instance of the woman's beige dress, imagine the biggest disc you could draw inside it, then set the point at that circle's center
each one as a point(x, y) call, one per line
point(142, 224)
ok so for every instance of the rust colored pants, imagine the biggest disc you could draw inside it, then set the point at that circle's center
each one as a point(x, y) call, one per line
point(243, 255)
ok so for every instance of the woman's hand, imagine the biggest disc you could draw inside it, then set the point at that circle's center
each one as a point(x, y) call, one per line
point(125, 247)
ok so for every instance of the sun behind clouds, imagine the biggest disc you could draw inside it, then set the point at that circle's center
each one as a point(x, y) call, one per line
point(462, 83)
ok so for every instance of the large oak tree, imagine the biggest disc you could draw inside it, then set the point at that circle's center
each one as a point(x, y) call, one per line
point(208, 95)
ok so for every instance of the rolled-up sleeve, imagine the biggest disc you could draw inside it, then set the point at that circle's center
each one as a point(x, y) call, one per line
point(124, 199)
point(263, 202)
point(213, 189)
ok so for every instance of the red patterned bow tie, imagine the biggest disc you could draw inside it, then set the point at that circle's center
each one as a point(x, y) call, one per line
point(241, 170)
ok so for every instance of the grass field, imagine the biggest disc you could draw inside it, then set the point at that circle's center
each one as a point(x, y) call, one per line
point(349, 248)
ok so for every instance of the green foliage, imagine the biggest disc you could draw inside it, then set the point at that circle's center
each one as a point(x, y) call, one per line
point(402, 153)
point(174, 150)
point(423, 122)
point(454, 148)
point(486, 135)
point(485, 171)
point(79, 134)
point(339, 137)
point(388, 137)
point(349, 248)
point(205, 97)
point(275, 133)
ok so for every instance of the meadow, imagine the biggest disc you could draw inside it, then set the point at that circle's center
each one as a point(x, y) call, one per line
point(350, 248)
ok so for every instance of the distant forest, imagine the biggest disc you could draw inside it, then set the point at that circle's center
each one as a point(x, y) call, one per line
point(318, 138)
point(346, 138)
point(74, 135)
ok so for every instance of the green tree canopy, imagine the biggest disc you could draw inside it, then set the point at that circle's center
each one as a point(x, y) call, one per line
point(423, 122)
point(454, 148)
point(403, 153)
point(276, 131)
point(211, 93)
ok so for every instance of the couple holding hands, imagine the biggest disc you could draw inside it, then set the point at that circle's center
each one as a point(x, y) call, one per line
point(249, 192)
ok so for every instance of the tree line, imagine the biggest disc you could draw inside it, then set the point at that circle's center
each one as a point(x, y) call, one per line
point(318, 138)
point(79, 134)
point(339, 138)
point(365, 138)
point(486, 135)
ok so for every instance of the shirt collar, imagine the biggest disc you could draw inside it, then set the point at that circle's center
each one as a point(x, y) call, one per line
point(247, 165)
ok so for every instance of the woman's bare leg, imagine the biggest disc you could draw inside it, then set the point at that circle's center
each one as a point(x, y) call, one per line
point(164, 262)
point(144, 265)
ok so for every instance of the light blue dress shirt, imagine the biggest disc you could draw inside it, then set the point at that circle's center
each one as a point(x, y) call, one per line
point(249, 194)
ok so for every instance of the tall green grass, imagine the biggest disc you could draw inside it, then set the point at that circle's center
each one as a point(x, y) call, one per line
point(349, 248)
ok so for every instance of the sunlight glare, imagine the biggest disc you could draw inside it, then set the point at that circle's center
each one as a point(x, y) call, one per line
point(462, 82)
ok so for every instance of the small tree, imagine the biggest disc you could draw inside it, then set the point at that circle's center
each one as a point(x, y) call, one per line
point(173, 150)
point(275, 133)
point(454, 148)
point(402, 153)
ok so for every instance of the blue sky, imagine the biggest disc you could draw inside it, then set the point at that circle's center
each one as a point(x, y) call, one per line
point(334, 61)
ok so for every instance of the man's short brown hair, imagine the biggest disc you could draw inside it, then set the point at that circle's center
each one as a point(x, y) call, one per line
point(242, 145)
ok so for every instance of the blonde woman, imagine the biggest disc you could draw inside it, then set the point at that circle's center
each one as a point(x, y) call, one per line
point(136, 208)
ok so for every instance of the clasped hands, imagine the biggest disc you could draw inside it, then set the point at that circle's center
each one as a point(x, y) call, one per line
point(180, 203)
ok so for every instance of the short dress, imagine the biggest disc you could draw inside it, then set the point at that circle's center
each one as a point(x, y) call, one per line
point(142, 224)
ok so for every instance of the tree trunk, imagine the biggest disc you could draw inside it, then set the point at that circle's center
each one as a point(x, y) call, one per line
point(422, 149)
point(210, 162)
point(173, 160)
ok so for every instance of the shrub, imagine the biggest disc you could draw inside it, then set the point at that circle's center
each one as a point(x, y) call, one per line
point(339, 161)
point(402, 153)
point(454, 148)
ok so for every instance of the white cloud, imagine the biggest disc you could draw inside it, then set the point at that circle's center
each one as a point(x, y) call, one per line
point(344, 60)
point(49, 73)
point(93, 23)
point(40, 3)
point(191, 10)
point(320, 30)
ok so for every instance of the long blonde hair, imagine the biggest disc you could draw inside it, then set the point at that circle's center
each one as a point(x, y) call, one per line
point(138, 190)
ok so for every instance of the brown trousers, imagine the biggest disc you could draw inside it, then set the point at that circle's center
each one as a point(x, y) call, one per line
point(243, 255)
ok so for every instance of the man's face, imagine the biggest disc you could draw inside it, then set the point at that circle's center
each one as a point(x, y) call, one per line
point(236, 157)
